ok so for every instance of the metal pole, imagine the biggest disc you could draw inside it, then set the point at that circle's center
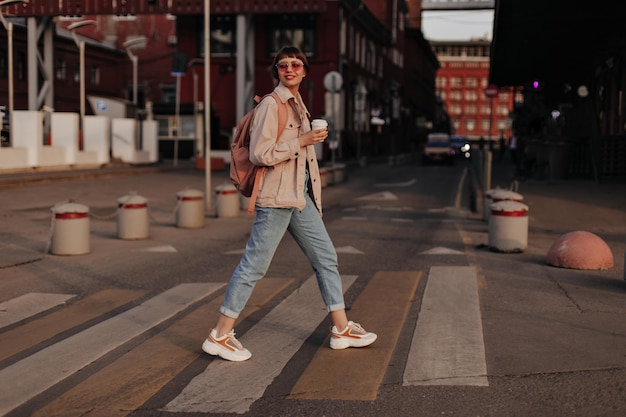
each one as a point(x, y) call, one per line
point(81, 48)
point(487, 153)
point(207, 104)
point(82, 88)
point(135, 79)
point(195, 109)
point(177, 120)
point(332, 109)
point(11, 92)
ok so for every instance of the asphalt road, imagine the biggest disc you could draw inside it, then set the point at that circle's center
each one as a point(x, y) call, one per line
point(463, 331)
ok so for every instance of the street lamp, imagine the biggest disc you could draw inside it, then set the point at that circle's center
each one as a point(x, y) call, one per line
point(139, 42)
point(9, 28)
point(81, 47)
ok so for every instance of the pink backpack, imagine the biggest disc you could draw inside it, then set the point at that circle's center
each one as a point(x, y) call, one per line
point(245, 175)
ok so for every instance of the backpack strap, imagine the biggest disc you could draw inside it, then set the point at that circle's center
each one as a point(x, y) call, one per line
point(282, 124)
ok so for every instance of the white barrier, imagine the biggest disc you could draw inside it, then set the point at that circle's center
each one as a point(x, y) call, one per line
point(28, 133)
point(150, 139)
point(124, 142)
point(97, 137)
point(13, 158)
point(65, 133)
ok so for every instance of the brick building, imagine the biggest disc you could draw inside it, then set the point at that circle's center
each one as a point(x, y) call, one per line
point(385, 65)
point(461, 83)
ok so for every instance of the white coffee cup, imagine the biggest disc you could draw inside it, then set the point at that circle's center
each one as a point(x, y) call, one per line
point(318, 124)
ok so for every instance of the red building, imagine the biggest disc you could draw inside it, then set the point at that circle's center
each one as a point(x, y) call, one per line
point(384, 66)
point(462, 82)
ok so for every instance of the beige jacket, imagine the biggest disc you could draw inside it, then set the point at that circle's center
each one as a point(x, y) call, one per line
point(282, 185)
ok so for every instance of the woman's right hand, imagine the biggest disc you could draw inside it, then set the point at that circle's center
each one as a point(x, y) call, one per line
point(313, 137)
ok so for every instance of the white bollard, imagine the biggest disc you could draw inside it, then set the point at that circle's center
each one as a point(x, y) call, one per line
point(508, 227)
point(339, 173)
point(132, 217)
point(324, 177)
point(244, 202)
point(227, 201)
point(190, 213)
point(505, 195)
point(487, 201)
point(330, 175)
point(70, 229)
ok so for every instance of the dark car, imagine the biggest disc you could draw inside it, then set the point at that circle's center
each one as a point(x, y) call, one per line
point(438, 149)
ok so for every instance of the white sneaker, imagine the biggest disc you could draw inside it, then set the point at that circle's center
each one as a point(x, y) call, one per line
point(352, 336)
point(227, 347)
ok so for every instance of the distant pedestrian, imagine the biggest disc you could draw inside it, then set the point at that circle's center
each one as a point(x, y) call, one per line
point(289, 200)
point(513, 147)
point(481, 143)
point(502, 149)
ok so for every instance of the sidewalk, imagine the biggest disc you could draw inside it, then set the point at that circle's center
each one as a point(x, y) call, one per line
point(556, 207)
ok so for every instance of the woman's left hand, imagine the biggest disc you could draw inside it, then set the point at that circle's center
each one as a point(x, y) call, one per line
point(313, 137)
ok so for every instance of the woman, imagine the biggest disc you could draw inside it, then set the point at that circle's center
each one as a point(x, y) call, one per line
point(289, 198)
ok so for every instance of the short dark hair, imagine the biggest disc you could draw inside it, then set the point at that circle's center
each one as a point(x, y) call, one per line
point(292, 52)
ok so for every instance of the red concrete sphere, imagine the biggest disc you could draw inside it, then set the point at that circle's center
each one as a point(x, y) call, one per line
point(580, 250)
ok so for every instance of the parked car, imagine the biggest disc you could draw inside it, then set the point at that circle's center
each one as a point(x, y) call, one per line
point(438, 149)
point(461, 146)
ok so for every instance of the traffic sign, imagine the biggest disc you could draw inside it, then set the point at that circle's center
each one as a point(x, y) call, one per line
point(491, 91)
point(333, 81)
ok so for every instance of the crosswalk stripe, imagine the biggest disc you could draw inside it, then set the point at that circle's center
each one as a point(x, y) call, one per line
point(448, 346)
point(28, 305)
point(40, 371)
point(41, 329)
point(383, 306)
point(130, 381)
point(229, 387)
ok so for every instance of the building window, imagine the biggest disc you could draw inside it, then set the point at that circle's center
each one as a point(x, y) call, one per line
point(167, 126)
point(168, 93)
point(455, 109)
point(471, 82)
point(3, 64)
point(455, 95)
point(470, 109)
point(455, 81)
point(485, 125)
point(164, 126)
point(297, 30)
point(95, 75)
point(60, 69)
point(470, 95)
point(223, 39)
point(470, 125)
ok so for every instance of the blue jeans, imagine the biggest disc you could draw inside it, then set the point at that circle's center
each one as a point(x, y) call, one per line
point(308, 230)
